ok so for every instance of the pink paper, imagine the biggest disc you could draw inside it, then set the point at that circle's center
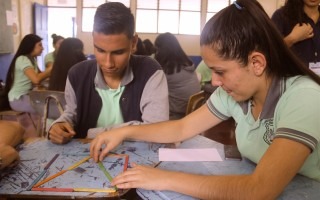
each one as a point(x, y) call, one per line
point(207, 154)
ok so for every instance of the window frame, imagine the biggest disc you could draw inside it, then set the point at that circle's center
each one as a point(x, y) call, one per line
point(158, 12)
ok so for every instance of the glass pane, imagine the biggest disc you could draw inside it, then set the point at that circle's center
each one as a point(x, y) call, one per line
point(146, 21)
point(61, 17)
point(87, 19)
point(192, 5)
point(209, 15)
point(92, 4)
point(62, 3)
point(169, 4)
point(217, 5)
point(149, 4)
point(168, 21)
point(189, 23)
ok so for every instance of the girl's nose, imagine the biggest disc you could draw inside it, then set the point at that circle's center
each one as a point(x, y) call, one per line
point(216, 82)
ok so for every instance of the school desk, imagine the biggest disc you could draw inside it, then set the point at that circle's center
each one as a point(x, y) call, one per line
point(300, 188)
point(79, 177)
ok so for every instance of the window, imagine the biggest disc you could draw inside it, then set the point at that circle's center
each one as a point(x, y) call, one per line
point(215, 6)
point(89, 8)
point(61, 18)
point(174, 16)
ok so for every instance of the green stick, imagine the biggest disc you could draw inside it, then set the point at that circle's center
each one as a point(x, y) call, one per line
point(109, 177)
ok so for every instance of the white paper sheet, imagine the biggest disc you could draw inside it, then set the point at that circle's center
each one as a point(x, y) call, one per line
point(196, 155)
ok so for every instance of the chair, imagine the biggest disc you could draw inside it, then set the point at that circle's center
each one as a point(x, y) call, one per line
point(9, 114)
point(6, 113)
point(223, 132)
point(48, 104)
point(196, 101)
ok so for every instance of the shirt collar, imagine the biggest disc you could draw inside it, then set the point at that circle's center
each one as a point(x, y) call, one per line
point(126, 79)
point(275, 91)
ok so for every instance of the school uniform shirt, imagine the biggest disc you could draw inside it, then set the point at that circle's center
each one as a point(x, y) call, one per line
point(21, 84)
point(205, 73)
point(181, 86)
point(49, 58)
point(93, 107)
point(291, 111)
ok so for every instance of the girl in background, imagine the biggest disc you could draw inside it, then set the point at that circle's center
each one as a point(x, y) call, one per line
point(70, 53)
point(24, 73)
point(180, 72)
point(50, 57)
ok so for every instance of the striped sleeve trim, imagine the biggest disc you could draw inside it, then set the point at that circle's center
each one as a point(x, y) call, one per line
point(214, 111)
point(297, 136)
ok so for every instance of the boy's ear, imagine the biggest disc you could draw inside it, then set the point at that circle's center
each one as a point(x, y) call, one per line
point(258, 62)
point(134, 43)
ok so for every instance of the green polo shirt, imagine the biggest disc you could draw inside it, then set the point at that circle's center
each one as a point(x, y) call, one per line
point(49, 58)
point(205, 72)
point(22, 84)
point(110, 101)
point(291, 110)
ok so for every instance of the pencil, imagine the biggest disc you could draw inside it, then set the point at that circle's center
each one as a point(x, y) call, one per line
point(62, 171)
point(45, 169)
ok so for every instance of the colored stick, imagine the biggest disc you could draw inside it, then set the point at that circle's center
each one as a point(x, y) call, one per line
point(53, 189)
point(45, 169)
point(103, 169)
point(126, 162)
point(62, 171)
point(107, 190)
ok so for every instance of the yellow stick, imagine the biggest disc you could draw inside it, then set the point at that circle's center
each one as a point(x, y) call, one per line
point(108, 190)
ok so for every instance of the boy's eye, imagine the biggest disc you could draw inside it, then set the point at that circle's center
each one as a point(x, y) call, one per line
point(118, 52)
point(100, 50)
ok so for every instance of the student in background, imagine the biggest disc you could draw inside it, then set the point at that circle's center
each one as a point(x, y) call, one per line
point(69, 54)
point(204, 73)
point(298, 21)
point(180, 72)
point(272, 96)
point(140, 50)
point(24, 74)
point(11, 134)
point(50, 57)
point(149, 47)
point(115, 89)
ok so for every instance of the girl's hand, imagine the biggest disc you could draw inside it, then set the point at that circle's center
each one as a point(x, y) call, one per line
point(109, 139)
point(144, 177)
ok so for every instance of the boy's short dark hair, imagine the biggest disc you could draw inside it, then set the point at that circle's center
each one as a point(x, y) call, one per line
point(114, 18)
